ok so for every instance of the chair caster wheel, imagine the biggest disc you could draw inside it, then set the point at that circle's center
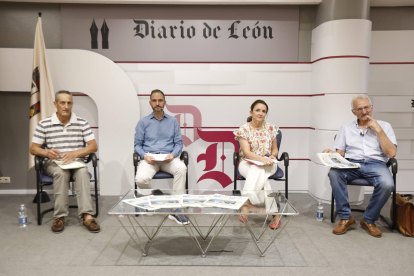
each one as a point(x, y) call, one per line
point(203, 256)
point(144, 254)
point(262, 255)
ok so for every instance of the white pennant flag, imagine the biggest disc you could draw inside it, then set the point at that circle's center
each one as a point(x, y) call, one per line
point(42, 93)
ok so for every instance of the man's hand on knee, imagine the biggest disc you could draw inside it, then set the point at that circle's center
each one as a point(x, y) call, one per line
point(148, 159)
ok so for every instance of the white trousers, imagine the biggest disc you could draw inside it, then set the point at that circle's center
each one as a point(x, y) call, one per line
point(257, 179)
point(146, 172)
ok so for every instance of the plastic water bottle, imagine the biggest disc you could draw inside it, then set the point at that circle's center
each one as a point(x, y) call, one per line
point(22, 216)
point(121, 208)
point(319, 212)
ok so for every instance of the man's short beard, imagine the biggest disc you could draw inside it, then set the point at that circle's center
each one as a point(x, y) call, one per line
point(162, 109)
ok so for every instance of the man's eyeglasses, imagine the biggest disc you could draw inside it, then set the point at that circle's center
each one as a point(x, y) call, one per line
point(368, 107)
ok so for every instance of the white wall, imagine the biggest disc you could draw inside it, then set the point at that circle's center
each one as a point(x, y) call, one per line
point(392, 91)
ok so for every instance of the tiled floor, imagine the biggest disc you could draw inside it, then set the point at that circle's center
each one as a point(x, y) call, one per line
point(304, 247)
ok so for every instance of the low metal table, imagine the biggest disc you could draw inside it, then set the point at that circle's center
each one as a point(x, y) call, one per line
point(262, 238)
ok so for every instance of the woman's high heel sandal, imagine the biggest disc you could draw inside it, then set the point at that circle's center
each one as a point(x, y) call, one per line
point(274, 226)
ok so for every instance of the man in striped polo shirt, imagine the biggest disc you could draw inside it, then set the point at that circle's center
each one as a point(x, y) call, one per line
point(64, 135)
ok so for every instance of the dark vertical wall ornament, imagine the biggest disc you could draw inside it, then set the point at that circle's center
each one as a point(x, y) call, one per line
point(105, 33)
point(412, 103)
point(94, 35)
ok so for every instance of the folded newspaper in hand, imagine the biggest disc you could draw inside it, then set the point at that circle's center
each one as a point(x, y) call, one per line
point(223, 201)
point(335, 160)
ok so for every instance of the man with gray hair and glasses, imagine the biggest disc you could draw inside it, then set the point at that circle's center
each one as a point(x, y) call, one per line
point(64, 134)
point(370, 143)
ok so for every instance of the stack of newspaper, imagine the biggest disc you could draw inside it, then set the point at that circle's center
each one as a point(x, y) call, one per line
point(154, 202)
point(335, 160)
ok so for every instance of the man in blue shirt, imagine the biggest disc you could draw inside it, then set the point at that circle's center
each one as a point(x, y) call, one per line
point(159, 133)
point(370, 143)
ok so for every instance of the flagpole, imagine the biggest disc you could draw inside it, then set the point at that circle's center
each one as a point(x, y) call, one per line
point(42, 93)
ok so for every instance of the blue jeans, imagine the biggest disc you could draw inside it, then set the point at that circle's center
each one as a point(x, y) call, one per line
point(376, 173)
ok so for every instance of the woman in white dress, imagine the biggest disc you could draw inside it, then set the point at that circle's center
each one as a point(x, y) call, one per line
point(257, 140)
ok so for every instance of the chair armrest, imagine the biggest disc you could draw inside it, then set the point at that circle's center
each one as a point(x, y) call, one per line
point(137, 158)
point(38, 163)
point(235, 158)
point(392, 162)
point(184, 156)
point(285, 158)
point(92, 157)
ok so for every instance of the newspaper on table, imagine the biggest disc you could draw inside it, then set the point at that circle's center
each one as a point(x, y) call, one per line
point(335, 160)
point(165, 201)
point(140, 202)
point(223, 201)
point(195, 200)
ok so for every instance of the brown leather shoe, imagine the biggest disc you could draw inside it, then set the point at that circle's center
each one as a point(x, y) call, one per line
point(372, 229)
point(92, 225)
point(343, 226)
point(58, 225)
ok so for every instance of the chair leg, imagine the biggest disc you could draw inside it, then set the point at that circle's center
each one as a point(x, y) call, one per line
point(96, 193)
point(394, 210)
point(235, 178)
point(39, 216)
point(186, 180)
point(333, 212)
point(286, 182)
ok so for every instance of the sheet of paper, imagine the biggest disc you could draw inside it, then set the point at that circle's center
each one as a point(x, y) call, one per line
point(158, 157)
point(165, 201)
point(140, 202)
point(195, 200)
point(224, 201)
point(259, 163)
point(70, 165)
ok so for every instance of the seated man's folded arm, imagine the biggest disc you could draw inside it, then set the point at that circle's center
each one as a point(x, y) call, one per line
point(385, 136)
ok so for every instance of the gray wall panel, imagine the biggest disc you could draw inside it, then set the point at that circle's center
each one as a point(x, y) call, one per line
point(18, 24)
point(14, 147)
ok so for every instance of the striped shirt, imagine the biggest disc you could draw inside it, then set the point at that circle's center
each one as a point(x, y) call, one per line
point(65, 138)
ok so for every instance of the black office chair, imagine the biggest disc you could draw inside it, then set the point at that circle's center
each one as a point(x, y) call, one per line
point(43, 179)
point(392, 162)
point(162, 174)
point(278, 176)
